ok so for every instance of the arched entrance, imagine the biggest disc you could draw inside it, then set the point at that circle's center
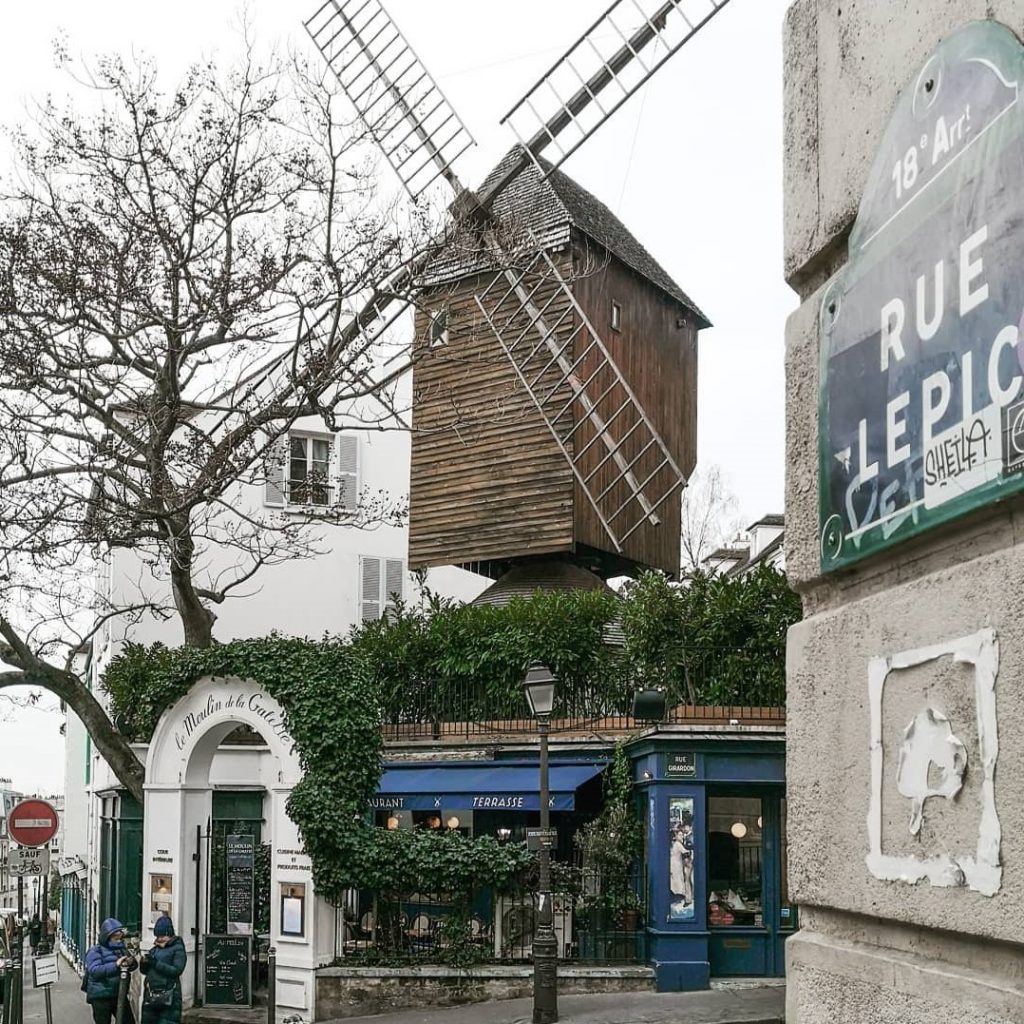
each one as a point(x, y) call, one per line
point(185, 765)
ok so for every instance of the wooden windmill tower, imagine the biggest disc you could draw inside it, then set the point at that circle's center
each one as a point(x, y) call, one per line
point(554, 408)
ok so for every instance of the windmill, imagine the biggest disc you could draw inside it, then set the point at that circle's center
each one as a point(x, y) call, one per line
point(593, 448)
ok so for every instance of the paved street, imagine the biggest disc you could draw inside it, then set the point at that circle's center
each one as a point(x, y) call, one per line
point(748, 1006)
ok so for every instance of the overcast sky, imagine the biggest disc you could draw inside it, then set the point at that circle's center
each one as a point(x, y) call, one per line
point(692, 165)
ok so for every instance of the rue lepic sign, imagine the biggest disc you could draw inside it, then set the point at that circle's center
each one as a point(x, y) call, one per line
point(921, 407)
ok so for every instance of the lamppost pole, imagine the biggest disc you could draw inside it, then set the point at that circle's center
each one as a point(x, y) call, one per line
point(540, 692)
point(545, 945)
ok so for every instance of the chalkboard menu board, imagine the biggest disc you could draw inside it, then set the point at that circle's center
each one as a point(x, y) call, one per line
point(241, 858)
point(227, 970)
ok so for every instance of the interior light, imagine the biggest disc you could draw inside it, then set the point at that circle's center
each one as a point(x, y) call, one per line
point(392, 823)
point(759, 825)
point(504, 833)
point(453, 822)
point(739, 830)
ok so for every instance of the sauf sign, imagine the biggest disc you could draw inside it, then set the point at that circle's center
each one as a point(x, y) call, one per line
point(921, 406)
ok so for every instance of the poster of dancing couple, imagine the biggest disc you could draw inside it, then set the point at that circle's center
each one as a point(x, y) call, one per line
point(680, 854)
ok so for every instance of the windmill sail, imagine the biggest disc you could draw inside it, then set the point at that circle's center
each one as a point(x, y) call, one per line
point(601, 70)
point(619, 460)
point(399, 102)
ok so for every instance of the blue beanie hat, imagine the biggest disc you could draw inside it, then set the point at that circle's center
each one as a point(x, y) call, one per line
point(163, 927)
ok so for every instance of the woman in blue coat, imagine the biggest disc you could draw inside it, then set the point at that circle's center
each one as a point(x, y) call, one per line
point(163, 966)
point(103, 963)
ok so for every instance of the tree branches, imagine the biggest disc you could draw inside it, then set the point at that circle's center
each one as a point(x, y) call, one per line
point(177, 271)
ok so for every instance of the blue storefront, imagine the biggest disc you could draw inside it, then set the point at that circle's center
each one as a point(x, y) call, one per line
point(714, 807)
point(715, 814)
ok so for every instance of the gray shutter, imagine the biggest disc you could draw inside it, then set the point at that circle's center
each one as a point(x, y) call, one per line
point(276, 466)
point(394, 582)
point(369, 606)
point(348, 470)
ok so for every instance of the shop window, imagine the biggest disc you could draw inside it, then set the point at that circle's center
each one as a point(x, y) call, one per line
point(734, 861)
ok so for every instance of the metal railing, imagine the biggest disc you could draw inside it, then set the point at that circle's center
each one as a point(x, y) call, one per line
point(708, 686)
point(489, 928)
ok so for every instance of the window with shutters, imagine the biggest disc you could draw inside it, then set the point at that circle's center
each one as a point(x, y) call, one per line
point(383, 584)
point(309, 470)
point(313, 469)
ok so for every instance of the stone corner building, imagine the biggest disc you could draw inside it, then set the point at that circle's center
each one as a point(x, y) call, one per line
point(905, 767)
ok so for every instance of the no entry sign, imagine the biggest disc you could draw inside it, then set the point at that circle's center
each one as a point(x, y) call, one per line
point(32, 823)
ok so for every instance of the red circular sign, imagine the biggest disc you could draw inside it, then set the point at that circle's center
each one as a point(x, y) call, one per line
point(32, 823)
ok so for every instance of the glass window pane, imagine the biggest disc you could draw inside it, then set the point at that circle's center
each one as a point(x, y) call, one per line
point(321, 455)
point(297, 469)
point(734, 861)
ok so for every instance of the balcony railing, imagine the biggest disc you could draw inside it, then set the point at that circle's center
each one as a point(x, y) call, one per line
point(710, 686)
point(309, 492)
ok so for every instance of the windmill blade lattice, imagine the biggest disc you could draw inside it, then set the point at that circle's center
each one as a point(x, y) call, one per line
point(619, 460)
point(400, 103)
point(601, 70)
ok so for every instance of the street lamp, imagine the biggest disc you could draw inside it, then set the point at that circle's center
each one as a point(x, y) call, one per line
point(540, 693)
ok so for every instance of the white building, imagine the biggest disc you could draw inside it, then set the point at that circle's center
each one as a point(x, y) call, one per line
point(357, 575)
point(762, 543)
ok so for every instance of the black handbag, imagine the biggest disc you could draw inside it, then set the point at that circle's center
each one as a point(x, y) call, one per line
point(162, 1000)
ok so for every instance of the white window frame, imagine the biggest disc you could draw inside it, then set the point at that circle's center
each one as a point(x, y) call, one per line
point(377, 589)
point(342, 476)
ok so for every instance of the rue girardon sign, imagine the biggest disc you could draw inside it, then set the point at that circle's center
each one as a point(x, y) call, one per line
point(921, 406)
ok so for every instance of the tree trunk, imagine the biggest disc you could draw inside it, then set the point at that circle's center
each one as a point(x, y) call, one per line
point(114, 748)
point(196, 619)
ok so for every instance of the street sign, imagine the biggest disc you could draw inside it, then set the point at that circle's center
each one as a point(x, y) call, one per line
point(541, 838)
point(44, 970)
point(921, 402)
point(27, 861)
point(32, 823)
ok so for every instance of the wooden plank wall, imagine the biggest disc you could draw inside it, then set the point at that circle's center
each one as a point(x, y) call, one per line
point(488, 481)
point(658, 359)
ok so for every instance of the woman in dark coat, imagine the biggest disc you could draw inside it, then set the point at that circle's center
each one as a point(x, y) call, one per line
point(163, 966)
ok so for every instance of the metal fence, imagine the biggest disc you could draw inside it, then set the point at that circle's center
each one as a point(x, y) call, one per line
point(485, 927)
point(706, 686)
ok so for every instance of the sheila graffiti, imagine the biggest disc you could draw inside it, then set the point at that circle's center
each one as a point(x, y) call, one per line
point(680, 858)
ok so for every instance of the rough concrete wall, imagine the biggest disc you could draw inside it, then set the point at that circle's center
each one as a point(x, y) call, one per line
point(873, 950)
point(845, 63)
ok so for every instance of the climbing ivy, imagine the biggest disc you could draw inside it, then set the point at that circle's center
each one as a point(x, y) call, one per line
point(332, 713)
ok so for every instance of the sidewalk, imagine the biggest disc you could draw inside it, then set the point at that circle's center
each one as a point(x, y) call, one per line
point(745, 1006)
point(67, 1001)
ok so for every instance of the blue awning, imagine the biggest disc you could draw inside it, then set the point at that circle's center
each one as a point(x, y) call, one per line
point(480, 787)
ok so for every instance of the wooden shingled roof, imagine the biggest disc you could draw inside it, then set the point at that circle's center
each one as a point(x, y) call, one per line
point(548, 208)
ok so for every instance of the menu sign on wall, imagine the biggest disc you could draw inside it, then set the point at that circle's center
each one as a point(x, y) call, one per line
point(921, 408)
point(241, 861)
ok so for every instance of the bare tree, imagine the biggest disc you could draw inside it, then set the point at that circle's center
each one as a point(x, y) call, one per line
point(175, 271)
point(709, 517)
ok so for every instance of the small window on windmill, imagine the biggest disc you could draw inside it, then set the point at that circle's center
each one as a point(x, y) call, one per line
point(439, 328)
point(616, 316)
